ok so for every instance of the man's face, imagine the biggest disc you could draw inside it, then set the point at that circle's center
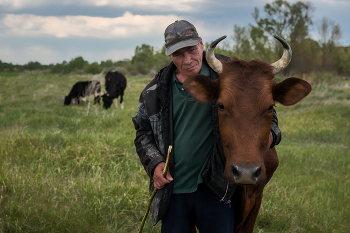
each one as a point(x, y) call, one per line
point(188, 60)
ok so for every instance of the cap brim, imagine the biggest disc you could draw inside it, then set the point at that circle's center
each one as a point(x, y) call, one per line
point(181, 44)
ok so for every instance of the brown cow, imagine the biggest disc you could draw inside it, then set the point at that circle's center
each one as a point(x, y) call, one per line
point(245, 93)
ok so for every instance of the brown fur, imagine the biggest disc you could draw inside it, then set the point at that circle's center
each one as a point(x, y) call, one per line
point(247, 91)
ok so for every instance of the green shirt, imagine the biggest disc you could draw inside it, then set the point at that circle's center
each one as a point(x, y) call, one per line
point(193, 136)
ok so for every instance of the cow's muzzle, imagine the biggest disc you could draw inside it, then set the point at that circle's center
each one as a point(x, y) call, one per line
point(246, 175)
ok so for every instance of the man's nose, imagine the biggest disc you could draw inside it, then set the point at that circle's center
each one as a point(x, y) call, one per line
point(187, 58)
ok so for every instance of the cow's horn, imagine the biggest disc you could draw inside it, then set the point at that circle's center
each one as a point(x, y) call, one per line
point(283, 62)
point(213, 62)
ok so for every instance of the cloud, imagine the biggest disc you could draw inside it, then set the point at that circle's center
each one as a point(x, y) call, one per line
point(159, 5)
point(128, 25)
point(332, 2)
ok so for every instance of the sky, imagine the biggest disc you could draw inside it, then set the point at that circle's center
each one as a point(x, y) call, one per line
point(51, 31)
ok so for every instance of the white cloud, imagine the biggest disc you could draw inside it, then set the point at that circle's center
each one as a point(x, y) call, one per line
point(316, 2)
point(159, 5)
point(336, 3)
point(128, 25)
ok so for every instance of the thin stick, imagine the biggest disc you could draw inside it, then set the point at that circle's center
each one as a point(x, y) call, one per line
point(88, 107)
point(155, 189)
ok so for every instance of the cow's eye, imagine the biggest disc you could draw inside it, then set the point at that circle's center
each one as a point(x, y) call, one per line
point(271, 107)
point(221, 107)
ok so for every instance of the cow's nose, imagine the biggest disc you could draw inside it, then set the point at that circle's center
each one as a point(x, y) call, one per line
point(245, 174)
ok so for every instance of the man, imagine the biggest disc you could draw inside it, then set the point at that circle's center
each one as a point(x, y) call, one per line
point(193, 193)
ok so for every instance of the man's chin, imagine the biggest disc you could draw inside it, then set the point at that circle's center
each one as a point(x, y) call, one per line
point(192, 71)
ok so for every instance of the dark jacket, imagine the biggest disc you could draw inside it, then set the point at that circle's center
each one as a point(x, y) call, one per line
point(154, 133)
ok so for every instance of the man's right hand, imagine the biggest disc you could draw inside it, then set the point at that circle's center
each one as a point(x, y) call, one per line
point(158, 178)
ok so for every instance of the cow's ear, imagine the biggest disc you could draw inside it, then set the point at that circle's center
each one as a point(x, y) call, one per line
point(291, 91)
point(201, 88)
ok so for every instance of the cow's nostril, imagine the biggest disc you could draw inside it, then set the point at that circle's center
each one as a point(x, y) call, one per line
point(257, 173)
point(235, 171)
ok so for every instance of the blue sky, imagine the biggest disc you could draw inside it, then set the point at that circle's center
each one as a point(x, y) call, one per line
point(51, 31)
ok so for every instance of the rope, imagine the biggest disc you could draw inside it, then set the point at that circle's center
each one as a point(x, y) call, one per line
point(225, 193)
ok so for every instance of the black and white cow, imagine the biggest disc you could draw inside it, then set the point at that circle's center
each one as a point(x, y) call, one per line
point(115, 84)
point(83, 89)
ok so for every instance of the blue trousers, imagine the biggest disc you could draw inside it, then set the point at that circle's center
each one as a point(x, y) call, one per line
point(202, 208)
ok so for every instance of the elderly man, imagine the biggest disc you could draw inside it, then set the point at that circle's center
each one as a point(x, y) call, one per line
point(194, 192)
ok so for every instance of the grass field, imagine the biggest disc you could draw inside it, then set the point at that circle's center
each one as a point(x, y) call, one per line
point(62, 170)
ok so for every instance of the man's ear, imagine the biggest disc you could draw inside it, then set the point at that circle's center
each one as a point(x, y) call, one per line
point(202, 88)
point(291, 91)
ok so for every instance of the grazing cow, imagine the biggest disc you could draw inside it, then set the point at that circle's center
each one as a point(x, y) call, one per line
point(245, 93)
point(82, 89)
point(115, 84)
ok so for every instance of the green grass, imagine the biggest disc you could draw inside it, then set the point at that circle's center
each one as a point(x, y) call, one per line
point(64, 171)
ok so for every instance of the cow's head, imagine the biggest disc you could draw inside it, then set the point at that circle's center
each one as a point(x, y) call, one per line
point(245, 93)
point(67, 100)
point(107, 101)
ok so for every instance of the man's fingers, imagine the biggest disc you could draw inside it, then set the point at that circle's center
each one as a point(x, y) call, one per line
point(159, 179)
point(169, 177)
point(159, 184)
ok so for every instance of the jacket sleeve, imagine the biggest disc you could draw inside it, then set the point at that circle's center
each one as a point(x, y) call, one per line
point(145, 144)
point(276, 132)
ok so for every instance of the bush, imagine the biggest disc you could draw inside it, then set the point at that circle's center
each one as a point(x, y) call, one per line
point(93, 68)
point(322, 78)
point(122, 70)
point(152, 73)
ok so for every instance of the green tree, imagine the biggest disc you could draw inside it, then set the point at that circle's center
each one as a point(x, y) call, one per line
point(143, 59)
point(93, 68)
point(57, 69)
point(330, 34)
point(341, 60)
point(107, 63)
point(261, 44)
point(291, 21)
point(8, 67)
point(146, 58)
point(242, 47)
point(224, 49)
point(33, 66)
point(161, 59)
point(77, 63)
point(122, 63)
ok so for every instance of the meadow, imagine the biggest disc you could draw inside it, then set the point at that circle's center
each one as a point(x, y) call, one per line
point(62, 170)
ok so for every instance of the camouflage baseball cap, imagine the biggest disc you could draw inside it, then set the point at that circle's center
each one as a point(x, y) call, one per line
point(180, 34)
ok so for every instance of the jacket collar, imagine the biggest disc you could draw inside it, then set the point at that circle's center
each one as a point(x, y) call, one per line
point(165, 74)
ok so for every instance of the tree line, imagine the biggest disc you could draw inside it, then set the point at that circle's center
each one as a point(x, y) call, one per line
point(146, 59)
point(255, 41)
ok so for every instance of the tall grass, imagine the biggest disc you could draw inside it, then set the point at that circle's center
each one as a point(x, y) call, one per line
point(62, 170)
